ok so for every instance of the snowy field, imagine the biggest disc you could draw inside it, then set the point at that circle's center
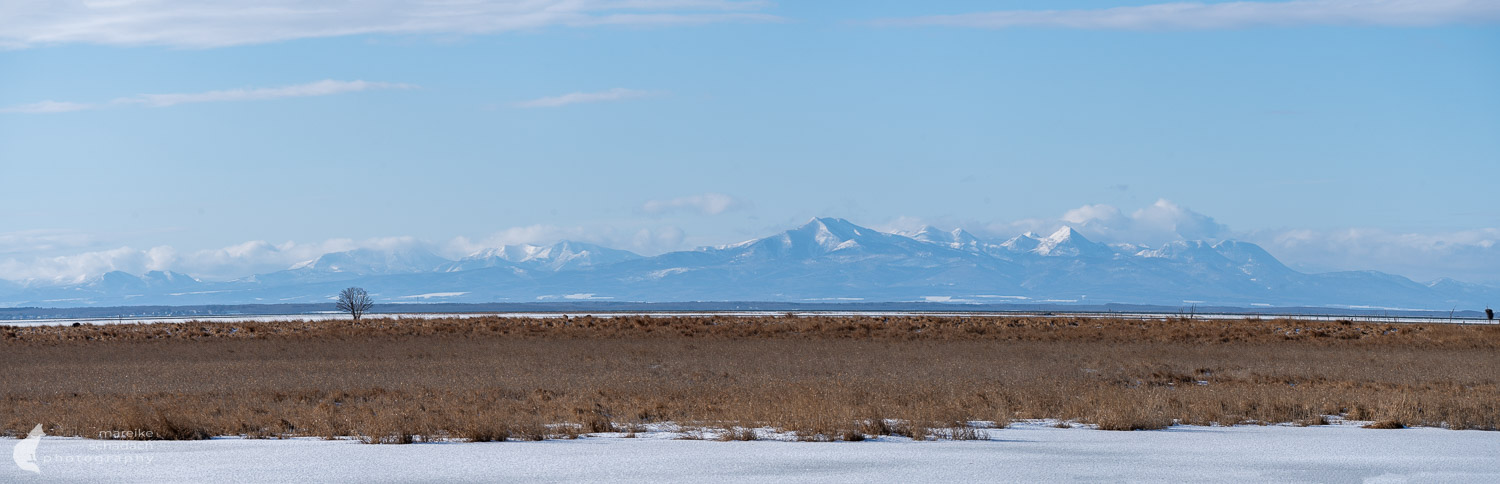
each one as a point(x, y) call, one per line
point(334, 316)
point(1028, 451)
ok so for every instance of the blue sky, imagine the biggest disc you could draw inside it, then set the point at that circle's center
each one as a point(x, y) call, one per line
point(1341, 134)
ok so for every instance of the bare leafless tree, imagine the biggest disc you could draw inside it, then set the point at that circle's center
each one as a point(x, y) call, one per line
point(354, 301)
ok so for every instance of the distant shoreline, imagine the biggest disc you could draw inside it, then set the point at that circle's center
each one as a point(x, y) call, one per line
point(331, 316)
point(31, 315)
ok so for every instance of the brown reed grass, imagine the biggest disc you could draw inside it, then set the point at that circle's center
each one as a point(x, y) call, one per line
point(824, 378)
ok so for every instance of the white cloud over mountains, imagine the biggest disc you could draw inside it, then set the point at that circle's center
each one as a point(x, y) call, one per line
point(1155, 224)
point(193, 24)
point(76, 268)
point(1469, 255)
point(1228, 15)
point(1160, 222)
point(224, 263)
point(19, 264)
point(320, 88)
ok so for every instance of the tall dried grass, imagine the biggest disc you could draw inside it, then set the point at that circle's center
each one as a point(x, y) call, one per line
point(825, 378)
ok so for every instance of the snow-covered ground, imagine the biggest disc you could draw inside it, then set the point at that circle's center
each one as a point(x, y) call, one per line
point(332, 316)
point(1028, 451)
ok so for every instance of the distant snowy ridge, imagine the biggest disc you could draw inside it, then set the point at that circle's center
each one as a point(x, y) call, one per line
point(565, 255)
point(825, 259)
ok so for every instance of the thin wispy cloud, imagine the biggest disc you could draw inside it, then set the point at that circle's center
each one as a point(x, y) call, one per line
point(44, 107)
point(706, 204)
point(193, 24)
point(42, 240)
point(616, 94)
point(1228, 15)
point(320, 88)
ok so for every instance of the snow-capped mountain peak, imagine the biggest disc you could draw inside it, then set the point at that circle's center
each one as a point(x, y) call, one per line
point(1182, 249)
point(1066, 242)
point(1062, 235)
point(928, 233)
point(826, 236)
point(819, 235)
point(955, 239)
point(833, 233)
point(1026, 242)
point(559, 256)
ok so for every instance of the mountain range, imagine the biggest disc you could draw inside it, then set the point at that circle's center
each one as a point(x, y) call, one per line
point(826, 259)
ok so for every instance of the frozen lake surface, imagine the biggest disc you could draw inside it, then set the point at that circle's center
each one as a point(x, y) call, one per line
point(1028, 451)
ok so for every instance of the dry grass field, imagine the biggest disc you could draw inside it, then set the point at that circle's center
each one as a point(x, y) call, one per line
point(826, 378)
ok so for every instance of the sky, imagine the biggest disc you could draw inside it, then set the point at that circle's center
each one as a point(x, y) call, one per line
point(241, 136)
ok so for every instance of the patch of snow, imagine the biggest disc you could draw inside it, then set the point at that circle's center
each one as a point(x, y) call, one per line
point(431, 295)
point(1027, 451)
point(847, 244)
point(327, 315)
point(198, 292)
point(666, 272)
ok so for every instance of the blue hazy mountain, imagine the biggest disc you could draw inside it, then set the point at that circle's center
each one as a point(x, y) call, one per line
point(826, 259)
